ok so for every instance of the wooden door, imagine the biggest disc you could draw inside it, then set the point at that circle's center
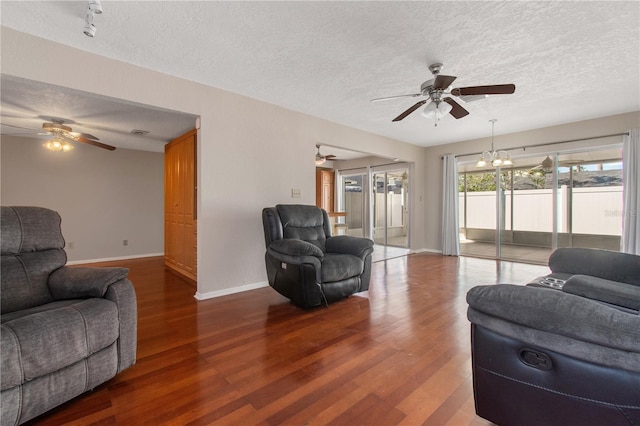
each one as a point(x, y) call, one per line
point(180, 205)
point(325, 181)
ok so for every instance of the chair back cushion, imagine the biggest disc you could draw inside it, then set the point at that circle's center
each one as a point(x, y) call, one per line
point(32, 248)
point(307, 223)
point(609, 265)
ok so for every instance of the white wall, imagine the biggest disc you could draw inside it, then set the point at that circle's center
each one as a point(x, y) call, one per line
point(251, 154)
point(103, 197)
point(571, 131)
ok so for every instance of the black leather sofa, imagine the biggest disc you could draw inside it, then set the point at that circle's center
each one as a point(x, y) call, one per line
point(305, 263)
point(564, 350)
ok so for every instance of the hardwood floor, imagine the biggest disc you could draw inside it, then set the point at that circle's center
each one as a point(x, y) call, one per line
point(396, 355)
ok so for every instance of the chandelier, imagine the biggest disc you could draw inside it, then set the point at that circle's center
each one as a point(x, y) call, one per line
point(493, 157)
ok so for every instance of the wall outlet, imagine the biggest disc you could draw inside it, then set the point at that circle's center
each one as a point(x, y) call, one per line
point(125, 242)
point(296, 193)
point(70, 245)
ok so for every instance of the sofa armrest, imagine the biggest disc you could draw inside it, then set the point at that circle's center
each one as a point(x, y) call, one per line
point(296, 248)
point(123, 295)
point(558, 313)
point(296, 252)
point(347, 244)
point(79, 283)
point(108, 283)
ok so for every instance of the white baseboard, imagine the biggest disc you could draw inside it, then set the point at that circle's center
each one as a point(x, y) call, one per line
point(228, 291)
point(424, 250)
point(111, 259)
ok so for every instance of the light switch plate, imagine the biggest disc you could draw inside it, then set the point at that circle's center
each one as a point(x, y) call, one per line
point(296, 193)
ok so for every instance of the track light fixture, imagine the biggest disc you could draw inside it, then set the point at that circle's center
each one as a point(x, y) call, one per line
point(94, 8)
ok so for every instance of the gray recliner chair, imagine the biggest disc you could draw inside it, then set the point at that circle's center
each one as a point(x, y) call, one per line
point(305, 263)
point(564, 349)
point(64, 330)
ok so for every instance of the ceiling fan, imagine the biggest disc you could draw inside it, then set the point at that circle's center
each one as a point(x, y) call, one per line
point(438, 93)
point(62, 134)
point(320, 159)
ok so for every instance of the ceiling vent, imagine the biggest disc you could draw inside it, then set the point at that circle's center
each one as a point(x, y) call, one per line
point(137, 132)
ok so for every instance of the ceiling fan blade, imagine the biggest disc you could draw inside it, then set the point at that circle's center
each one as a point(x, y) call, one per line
point(19, 127)
point(456, 109)
point(496, 89)
point(95, 143)
point(443, 81)
point(410, 110)
point(413, 95)
point(83, 135)
point(329, 157)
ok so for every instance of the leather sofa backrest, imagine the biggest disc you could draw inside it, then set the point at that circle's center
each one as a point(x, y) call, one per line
point(609, 265)
point(304, 222)
point(32, 248)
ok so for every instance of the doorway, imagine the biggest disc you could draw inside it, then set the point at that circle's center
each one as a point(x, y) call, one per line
point(375, 200)
point(353, 201)
point(390, 212)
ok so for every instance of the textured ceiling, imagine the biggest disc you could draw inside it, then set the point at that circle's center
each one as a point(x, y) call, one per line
point(569, 60)
point(27, 104)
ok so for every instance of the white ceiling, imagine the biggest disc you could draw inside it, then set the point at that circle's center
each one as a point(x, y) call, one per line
point(570, 61)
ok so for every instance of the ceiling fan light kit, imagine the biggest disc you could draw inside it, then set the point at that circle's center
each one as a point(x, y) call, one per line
point(495, 158)
point(436, 110)
point(58, 144)
point(438, 91)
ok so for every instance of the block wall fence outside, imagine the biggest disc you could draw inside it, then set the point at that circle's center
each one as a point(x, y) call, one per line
point(596, 210)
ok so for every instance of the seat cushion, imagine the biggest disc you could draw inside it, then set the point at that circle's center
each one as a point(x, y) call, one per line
point(338, 267)
point(46, 341)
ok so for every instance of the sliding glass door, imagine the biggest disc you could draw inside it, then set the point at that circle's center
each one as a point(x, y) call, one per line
point(353, 201)
point(548, 201)
point(375, 200)
point(390, 213)
point(591, 202)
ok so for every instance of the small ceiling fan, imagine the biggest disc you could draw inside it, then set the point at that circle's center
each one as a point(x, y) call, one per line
point(438, 93)
point(320, 159)
point(62, 134)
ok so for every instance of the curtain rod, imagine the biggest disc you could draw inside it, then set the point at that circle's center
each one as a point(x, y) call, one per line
point(524, 147)
point(377, 165)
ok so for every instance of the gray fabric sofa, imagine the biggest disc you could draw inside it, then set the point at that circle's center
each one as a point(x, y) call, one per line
point(64, 330)
point(305, 263)
point(564, 349)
